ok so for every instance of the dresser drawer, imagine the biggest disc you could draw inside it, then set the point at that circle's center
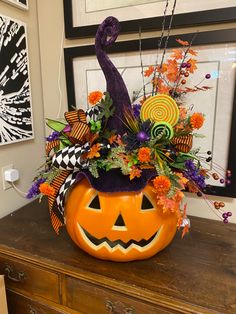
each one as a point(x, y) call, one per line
point(92, 299)
point(31, 279)
point(19, 304)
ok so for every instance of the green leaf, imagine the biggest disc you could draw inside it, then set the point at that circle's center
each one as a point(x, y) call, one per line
point(66, 142)
point(95, 126)
point(178, 165)
point(62, 145)
point(56, 125)
point(198, 135)
point(135, 161)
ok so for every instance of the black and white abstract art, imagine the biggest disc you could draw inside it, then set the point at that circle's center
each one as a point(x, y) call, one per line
point(15, 97)
point(22, 4)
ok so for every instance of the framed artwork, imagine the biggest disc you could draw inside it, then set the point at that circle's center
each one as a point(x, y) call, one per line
point(15, 105)
point(22, 4)
point(217, 56)
point(82, 17)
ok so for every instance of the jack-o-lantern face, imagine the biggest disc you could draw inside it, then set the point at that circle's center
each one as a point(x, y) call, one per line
point(120, 226)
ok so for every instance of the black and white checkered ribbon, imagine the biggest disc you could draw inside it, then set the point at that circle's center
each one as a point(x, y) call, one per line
point(60, 199)
point(92, 113)
point(70, 158)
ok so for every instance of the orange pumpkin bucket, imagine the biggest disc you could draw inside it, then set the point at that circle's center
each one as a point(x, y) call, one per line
point(119, 226)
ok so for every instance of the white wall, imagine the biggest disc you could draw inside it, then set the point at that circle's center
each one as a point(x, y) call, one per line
point(25, 156)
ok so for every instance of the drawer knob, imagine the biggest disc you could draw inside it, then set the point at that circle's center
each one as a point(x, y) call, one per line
point(13, 275)
point(110, 306)
point(32, 311)
point(121, 308)
point(129, 310)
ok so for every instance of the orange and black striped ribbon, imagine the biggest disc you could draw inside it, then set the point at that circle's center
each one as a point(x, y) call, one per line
point(79, 130)
point(51, 145)
point(78, 122)
point(56, 183)
point(183, 143)
point(71, 117)
point(55, 221)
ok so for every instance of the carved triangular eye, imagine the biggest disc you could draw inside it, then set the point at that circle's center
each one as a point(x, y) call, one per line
point(95, 204)
point(146, 204)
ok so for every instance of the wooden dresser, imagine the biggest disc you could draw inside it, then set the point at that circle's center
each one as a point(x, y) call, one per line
point(48, 274)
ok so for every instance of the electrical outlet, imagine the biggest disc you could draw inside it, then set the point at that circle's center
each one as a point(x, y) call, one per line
point(6, 185)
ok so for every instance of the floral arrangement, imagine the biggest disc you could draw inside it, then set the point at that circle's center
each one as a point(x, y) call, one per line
point(159, 137)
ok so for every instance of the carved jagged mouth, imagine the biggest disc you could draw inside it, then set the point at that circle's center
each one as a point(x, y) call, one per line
point(112, 244)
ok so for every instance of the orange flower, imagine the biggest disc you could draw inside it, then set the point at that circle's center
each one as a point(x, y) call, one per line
point(197, 120)
point(149, 71)
point(46, 189)
point(135, 172)
point(182, 180)
point(94, 97)
point(94, 151)
point(162, 185)
point(144, 154)
point(112, 139)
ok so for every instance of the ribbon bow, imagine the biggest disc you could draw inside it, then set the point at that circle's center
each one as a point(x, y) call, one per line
point(79, 127)
point(69, 160)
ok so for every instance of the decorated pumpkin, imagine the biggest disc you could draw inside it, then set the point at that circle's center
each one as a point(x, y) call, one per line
point(118, 226)
point(118, 169)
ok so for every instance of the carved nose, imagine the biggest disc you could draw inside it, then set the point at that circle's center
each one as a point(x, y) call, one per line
point(119, 221)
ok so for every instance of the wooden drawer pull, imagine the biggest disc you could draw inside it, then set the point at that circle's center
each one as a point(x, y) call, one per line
point(13, 275)
point(111, 308)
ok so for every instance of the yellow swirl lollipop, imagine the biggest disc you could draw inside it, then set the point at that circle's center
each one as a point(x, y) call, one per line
point(159, 108)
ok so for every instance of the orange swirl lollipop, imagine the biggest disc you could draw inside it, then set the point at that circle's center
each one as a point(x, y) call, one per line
point(159, 108)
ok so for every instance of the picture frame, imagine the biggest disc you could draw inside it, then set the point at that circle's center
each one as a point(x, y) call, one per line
point(21, 4)
point(16, 118)
point(225, 36)
point(196, 17)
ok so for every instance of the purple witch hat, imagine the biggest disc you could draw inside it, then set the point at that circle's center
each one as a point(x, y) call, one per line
point(106, 35)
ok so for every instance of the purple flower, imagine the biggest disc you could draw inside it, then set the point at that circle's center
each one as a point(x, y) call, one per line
point(136, 110)
point(193, 174)
point(34, 190)
point(190, 165)
point(53, 136)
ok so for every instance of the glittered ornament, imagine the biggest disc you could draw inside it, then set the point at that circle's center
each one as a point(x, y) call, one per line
point(142, 136)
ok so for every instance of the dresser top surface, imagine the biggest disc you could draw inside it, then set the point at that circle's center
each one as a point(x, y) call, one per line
point(199, 269)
